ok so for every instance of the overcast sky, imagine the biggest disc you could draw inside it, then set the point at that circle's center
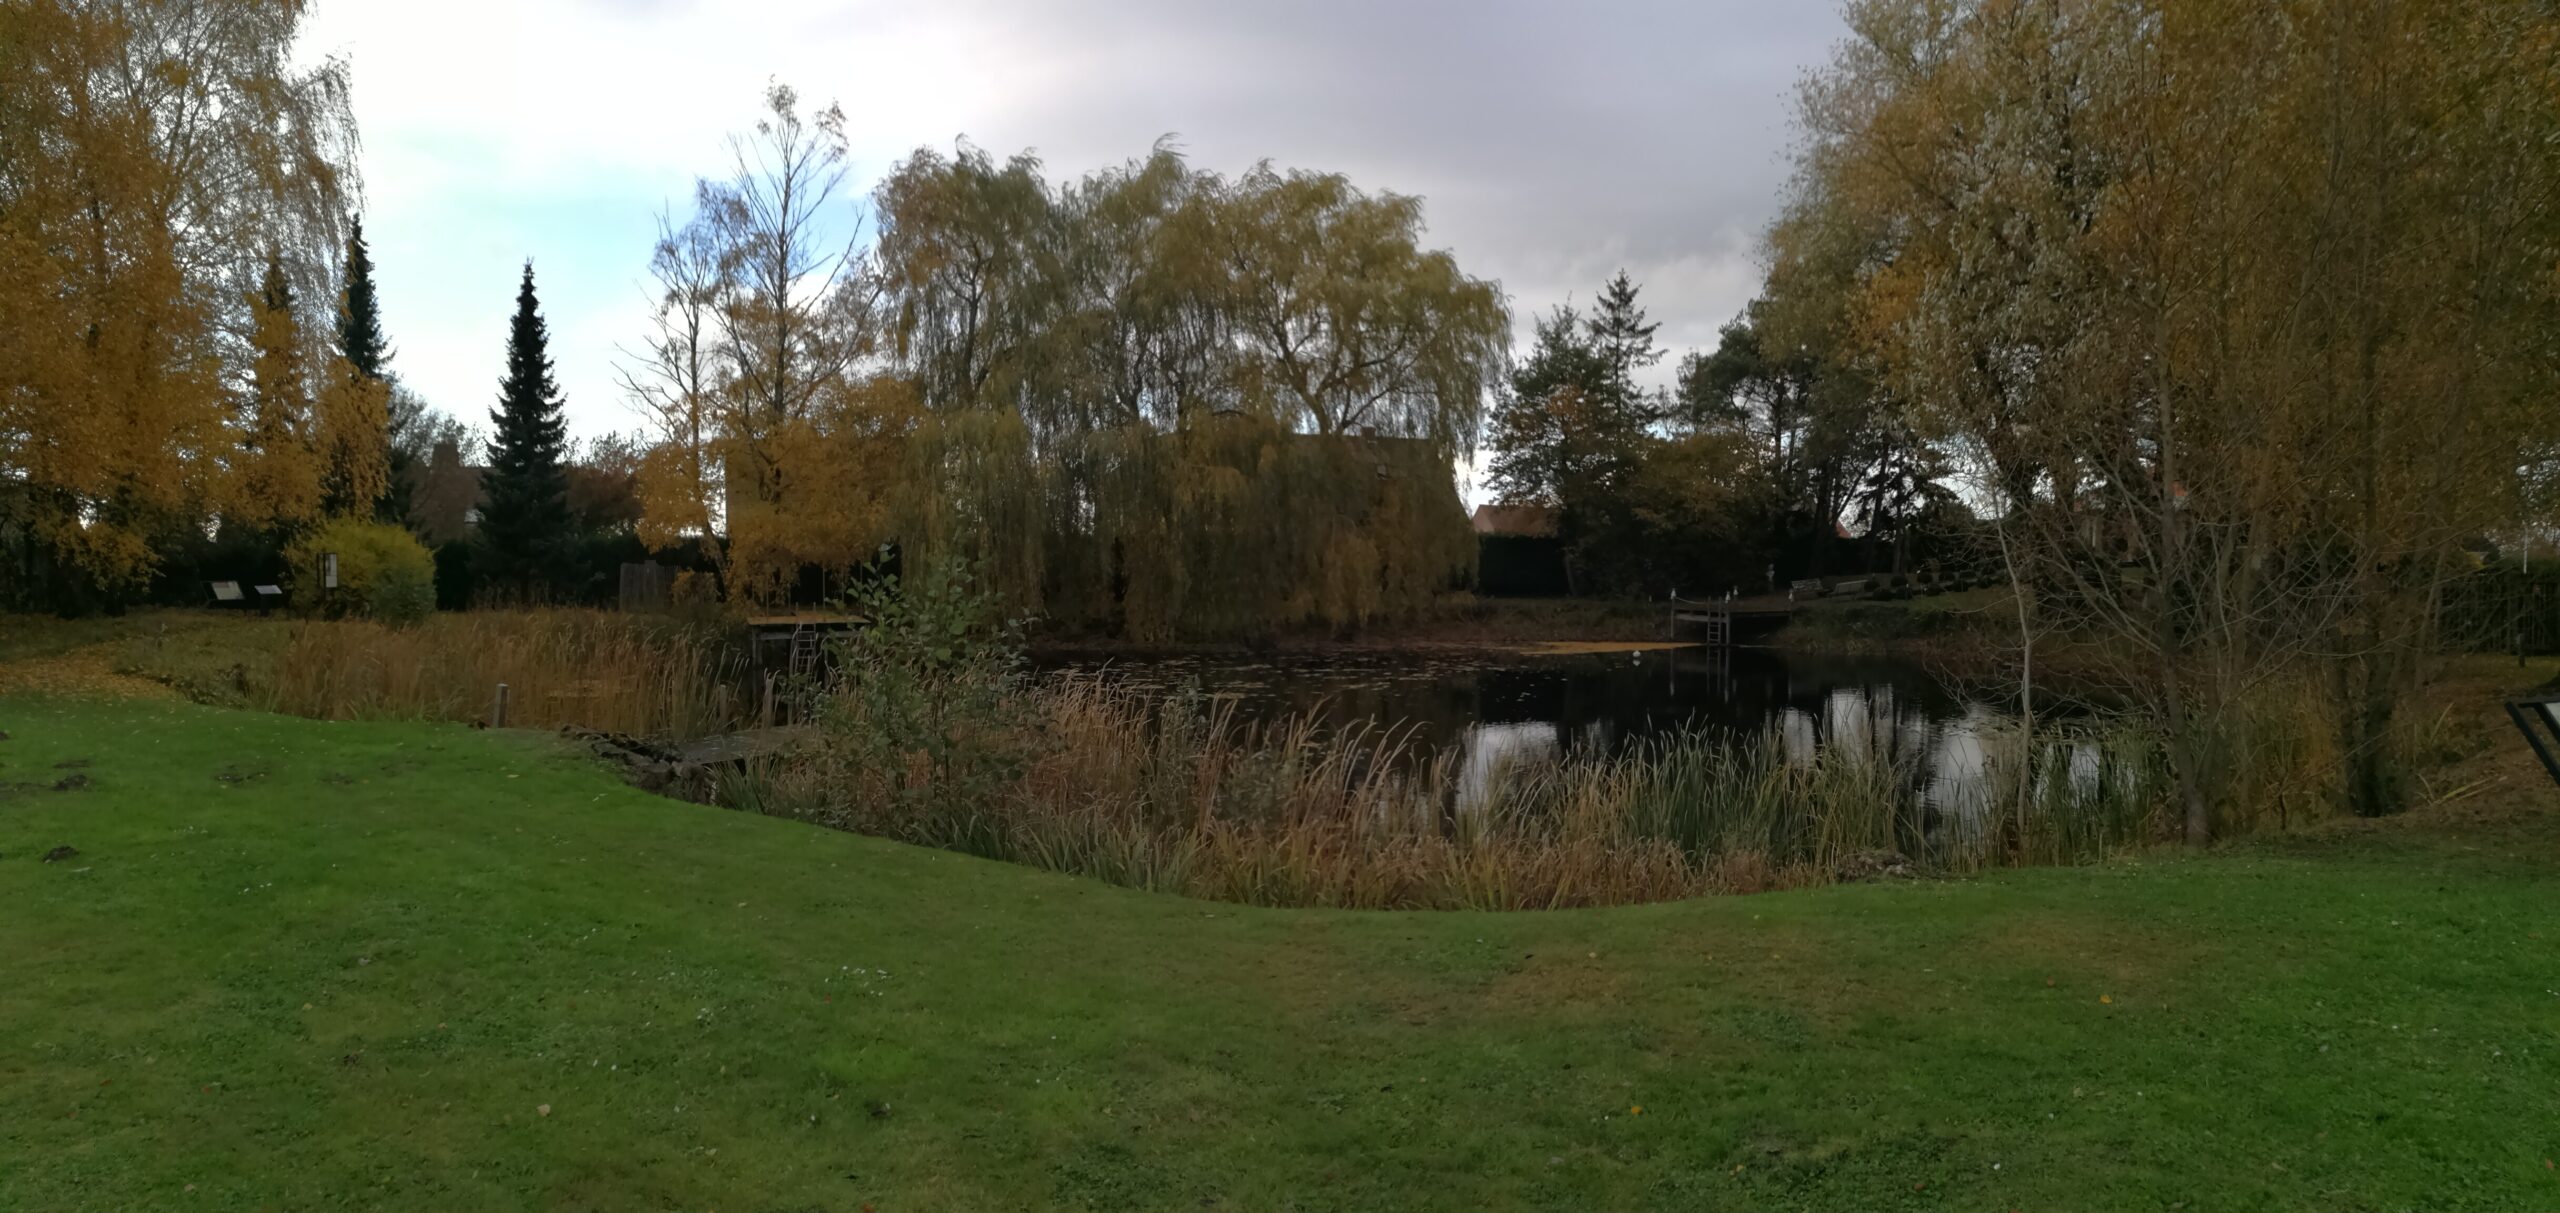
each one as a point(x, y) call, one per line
point(1552, 142)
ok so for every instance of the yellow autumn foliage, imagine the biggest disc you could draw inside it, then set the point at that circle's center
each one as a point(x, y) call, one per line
point(154, 152)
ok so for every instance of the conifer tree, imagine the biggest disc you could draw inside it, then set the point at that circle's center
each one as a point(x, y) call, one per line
point(360, 322)
point(1624, 337)
point(1550, 443)
point(362, 343)
point(281, 475)
point(524, 514)
point(1565, 434)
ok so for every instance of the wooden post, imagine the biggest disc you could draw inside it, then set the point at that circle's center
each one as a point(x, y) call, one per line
point(498, 708)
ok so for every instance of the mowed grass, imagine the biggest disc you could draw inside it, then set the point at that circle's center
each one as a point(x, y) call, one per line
point(311, 965)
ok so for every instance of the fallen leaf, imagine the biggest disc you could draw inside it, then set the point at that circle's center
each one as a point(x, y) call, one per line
point(2109, 999)
point(1637, 1110)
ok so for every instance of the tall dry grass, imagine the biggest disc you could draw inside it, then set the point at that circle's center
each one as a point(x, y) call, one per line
point(1176, 796)
point(604, 670)
point(648, 675)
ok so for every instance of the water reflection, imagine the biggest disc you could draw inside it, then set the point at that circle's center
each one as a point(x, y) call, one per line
point(1494, 710)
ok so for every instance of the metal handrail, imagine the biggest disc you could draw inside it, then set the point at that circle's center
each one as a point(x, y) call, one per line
point(2539, 720)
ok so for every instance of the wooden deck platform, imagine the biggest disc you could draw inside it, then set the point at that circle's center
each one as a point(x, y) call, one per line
point(1717, 622)
point(796, 640)
point(791, 620)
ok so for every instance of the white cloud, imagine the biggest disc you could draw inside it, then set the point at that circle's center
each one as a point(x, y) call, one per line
point(1554, 143)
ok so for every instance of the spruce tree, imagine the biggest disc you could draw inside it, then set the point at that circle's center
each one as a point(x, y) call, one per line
point(524, 513)
point(361, 341)
point(1624, 337)
point(360, 321)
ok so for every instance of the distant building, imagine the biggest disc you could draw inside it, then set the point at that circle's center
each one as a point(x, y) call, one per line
point(1523, 521)
point(444, 500)
point(1517, 552)
point(445, 496)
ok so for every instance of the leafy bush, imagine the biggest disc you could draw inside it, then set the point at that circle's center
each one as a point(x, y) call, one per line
point(383, 573)
point(922, 701)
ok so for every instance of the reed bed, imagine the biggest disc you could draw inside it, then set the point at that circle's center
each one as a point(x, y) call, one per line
point(1175, 795)
point(601, 670)
point(635, 674)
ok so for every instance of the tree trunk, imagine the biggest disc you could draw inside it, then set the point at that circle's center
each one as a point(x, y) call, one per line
point(2368, 702)
point(2186, 752)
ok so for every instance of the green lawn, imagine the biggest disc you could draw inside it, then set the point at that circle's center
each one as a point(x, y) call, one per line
point(299, 965)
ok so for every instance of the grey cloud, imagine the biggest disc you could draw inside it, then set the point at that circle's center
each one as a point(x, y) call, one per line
point(1552, 142)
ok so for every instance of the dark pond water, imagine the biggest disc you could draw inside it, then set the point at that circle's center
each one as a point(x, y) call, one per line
point(1494, 708)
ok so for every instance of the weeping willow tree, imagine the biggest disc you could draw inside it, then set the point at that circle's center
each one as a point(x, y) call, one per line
point(1166, 403)
point(1153, 401)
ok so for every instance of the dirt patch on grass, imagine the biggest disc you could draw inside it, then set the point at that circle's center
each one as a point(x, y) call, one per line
point(1543, 983)
point(88, 673)
point(73, 782)
point(2079, 953)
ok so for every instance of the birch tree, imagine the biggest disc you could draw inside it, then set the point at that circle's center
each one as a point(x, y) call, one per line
point(152, 157)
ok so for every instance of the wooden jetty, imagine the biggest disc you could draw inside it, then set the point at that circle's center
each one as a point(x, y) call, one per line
point(796, 641)
point(1717, 621)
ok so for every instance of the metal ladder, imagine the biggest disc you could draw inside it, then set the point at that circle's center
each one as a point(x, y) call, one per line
point(805, 650)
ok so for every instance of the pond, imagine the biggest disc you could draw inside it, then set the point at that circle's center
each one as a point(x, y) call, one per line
point(1491, 708)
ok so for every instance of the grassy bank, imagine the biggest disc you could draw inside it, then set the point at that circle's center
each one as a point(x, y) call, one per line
point(300, 964)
